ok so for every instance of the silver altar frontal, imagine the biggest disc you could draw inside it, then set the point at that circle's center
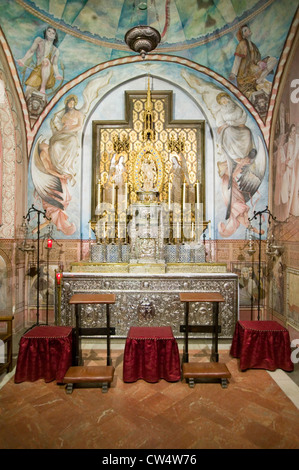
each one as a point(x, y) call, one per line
point(148, 300)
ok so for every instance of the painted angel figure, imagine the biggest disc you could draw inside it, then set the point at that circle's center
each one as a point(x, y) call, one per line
point(242, 167)
point(55, 161)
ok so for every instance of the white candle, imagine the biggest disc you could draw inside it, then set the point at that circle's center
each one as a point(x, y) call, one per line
point(184, 195)
point(178, 230)
point(104, 230)
point(169, 196)
point(210, 230)
point(192, 230)
point(126, 196)
point(113, 194)
point(197, 192)
point(99, 193)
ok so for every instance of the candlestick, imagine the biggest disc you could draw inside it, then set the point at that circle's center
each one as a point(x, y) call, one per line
point(192, 231)
point(126, 196)
point(184, 195)
point(197, 192)
point(113, 194)
point(99, 194)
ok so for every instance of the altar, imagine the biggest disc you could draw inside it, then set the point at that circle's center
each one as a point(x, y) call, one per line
point(148, 217)
point(148, 299)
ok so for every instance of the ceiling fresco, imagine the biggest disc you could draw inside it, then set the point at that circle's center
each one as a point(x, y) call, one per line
point(205, 32)
point(195, 28)
point(180, 23)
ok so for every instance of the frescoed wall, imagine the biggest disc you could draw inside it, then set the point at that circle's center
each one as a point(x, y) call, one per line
point(228, 209)
point(68, 65)
point(285, 196)
point(286, 149)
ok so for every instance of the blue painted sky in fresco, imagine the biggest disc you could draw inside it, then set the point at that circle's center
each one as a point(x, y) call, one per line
point(187, 26)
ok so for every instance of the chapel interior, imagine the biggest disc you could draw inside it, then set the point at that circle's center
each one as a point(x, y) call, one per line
point(149, 224)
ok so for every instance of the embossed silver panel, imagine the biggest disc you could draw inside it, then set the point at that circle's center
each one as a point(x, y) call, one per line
point(149, 300)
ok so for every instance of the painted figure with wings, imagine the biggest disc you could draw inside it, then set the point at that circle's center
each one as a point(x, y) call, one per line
point(242, 165)
point(55, 162)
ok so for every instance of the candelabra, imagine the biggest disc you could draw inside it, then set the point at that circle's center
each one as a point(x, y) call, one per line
point(251, 250)
point(27, 217)
point(50, 239)
point(259, 215)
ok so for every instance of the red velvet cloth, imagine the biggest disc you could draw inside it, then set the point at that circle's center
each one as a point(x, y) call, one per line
point(262, 345)
point(151, 354)
point(45, 353)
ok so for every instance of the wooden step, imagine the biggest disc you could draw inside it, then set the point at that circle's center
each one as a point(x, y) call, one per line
point(88, 374)
point(205, 370)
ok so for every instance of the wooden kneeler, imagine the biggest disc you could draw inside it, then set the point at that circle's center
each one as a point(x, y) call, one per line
point(193, 371)
point(213, 370)
point(78, 373)
point(89, 375)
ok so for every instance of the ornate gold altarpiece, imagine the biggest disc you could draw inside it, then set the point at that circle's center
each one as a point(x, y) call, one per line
point(161, 255)
point(127, 138)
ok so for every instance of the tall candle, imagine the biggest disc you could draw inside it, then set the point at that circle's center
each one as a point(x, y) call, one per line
point(113, 194)
point(192, 230)
point(210, 230)
point(169, 196)
point(126, 196)
point(197, 192)
point(184, 195)
point(178, 230)
point(99, 194)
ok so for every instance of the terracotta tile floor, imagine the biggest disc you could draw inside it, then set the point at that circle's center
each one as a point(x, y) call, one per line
point(252, 413)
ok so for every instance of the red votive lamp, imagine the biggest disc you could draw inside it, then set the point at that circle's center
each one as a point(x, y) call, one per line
point(50, 243)
point(58, 278)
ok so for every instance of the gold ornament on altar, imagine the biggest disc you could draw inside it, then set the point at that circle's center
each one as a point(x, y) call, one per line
point(121, 145)
point(176, 145)
point(148, 130)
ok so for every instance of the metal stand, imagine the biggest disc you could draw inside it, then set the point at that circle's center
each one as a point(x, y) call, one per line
point(27, 217)
point(255, 216)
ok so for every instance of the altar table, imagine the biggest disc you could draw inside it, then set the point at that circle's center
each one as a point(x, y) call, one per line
point(215, 298)
point(151, 354)
point(262, 345)
point(92, 299)
point(45, 352)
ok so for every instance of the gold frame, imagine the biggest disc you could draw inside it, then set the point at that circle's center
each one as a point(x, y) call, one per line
point(171, 126)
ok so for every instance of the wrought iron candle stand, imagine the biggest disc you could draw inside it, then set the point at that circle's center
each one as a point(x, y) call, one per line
point(27, 217)
point(259, 215)
point(251, 250)
point(50, 239)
